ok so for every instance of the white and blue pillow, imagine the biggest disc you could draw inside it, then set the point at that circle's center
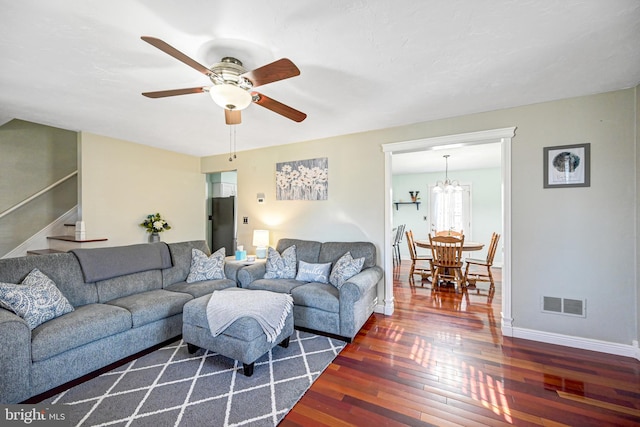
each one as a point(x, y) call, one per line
point(281, 266)
point(36, 299)
point(205, 267)
point(344, 269)
point(308, 272)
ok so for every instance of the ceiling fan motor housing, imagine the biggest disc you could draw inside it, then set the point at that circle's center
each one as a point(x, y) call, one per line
point(229, 71)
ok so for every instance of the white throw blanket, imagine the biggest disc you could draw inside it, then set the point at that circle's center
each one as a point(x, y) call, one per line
point(269, 309)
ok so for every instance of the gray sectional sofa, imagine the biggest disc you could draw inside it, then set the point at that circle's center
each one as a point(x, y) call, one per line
point(323, 307)
point(125, 299)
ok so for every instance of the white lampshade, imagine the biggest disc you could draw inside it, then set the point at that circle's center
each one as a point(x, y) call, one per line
point(230, 96)
point(261, 241)
point(261, 238)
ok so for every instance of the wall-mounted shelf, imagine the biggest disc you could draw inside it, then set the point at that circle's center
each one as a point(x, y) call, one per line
point(407, 203)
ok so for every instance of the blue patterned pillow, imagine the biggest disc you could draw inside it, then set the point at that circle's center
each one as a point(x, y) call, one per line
point(346, 267)
point(308, 272)
point(36, 299)
point(205, 267)
point(281, 267)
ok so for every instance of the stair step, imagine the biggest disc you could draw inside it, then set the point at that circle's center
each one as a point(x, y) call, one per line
point(73, 239)
point(44, 251)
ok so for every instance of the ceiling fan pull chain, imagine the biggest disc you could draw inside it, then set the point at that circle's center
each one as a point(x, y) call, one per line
point(230, 142)
point(234, 141)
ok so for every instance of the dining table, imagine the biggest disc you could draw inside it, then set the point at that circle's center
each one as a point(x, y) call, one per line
point(467, 246)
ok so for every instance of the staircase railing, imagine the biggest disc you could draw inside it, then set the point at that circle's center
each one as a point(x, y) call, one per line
point(36, 195)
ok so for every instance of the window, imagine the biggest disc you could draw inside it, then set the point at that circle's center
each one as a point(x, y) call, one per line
point(450, 210)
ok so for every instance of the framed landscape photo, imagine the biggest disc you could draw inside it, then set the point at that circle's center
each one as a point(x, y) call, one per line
point(567, 166)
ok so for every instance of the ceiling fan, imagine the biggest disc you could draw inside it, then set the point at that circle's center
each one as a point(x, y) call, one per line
point(232, 84)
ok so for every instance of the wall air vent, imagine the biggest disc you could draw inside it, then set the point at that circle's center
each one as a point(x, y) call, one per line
point(566, 306)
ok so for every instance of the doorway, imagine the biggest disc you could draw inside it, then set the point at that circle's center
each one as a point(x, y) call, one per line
point(222, 211)
point(504, 137)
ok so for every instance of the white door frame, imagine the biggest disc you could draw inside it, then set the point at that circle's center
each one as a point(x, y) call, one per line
point(504, 137)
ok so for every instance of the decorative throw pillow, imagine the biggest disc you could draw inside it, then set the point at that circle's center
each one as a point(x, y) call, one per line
point(205, 267)
point(308, 272)
point(346, 267)
point(281, 266)
point(36, 299)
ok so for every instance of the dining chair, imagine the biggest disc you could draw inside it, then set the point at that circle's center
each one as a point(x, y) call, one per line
point(482, 267)
point(453, 233)
point(394, 242)
point(447, 259)
point(418, 262)
point(397, 239)
point(400, 237)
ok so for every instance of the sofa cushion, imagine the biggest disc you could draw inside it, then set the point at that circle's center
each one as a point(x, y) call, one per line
point(204, 287)
point(181, 258)
point(317, 295)
point(333, 251)
point(86, 324)
point(147, 307)
point(62, 268)
point(281, 266)
point(275, 285)
point(344, 269)
point(313, 272)
point(306, 250)
point(36, 299)
point(205, 267)
point(131, 284)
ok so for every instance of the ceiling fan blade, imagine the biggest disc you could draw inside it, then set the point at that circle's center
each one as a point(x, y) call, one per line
point(278, 107)
point(173, 92)
point(170, 50)
point(278, 70)
point(232, 117)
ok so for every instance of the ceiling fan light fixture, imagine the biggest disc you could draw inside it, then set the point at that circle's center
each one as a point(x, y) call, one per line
point(230, 96)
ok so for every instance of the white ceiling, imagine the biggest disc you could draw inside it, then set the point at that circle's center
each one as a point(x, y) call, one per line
point(80, 64)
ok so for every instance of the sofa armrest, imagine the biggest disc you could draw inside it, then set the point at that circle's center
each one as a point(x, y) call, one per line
point(251, 273)
point(358, 296)
point(357, 286)
point(231, 270)
point(15, 358)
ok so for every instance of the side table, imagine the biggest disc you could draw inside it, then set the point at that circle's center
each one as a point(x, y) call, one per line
point(232, 260)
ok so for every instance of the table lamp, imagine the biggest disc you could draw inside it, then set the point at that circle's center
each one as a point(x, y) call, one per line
point(261, 241)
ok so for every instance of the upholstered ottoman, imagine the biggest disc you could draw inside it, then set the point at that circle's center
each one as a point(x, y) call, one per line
point(243, 340)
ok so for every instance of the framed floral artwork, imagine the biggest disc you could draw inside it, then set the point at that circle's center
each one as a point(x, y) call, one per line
point(302, 179)
point(567, 166)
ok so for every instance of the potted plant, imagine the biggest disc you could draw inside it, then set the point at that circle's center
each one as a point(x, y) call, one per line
point(155, 224)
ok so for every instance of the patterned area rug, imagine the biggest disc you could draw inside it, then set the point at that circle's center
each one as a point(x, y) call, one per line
point(171, 387)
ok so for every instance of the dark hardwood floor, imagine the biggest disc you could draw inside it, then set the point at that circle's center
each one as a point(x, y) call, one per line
point(441, 359)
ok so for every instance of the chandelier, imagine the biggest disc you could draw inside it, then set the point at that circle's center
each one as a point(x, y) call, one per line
point(447, 186)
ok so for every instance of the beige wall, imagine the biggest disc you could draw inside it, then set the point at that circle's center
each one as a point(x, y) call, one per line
point(355, 186)
point(558, 235)
point(122, 182)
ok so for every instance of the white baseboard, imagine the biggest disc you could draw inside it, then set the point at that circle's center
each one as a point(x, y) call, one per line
point(39, 240)
point(632, 351)
point(387, 309)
